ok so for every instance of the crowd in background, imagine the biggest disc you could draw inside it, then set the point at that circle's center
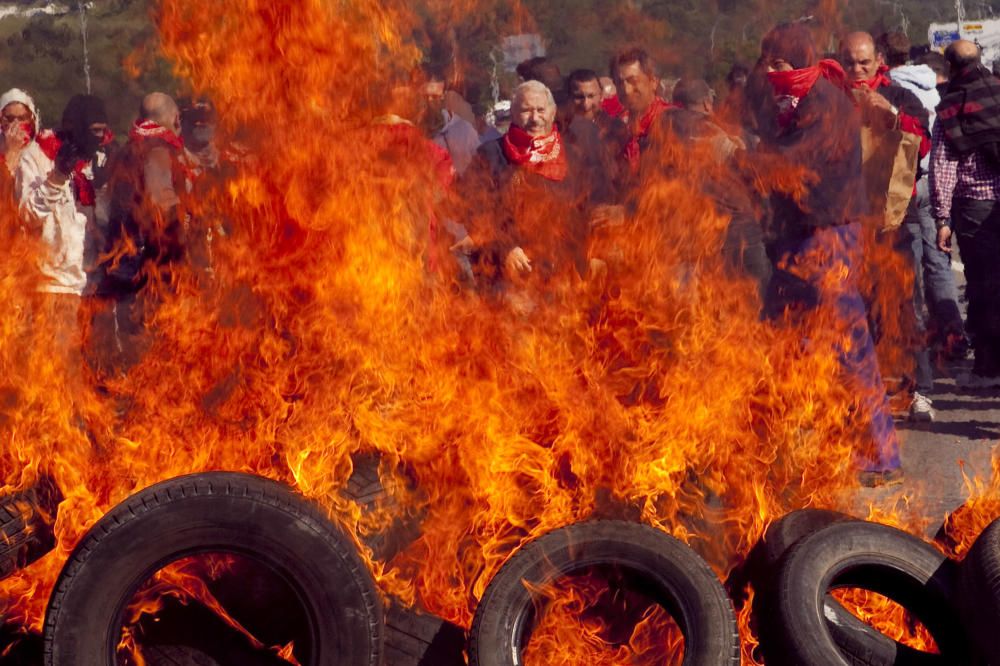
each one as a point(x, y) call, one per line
point(568, 157)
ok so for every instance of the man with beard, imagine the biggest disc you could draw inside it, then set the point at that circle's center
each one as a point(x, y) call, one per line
point(542, 233)
point(446, 129)
point(809, 125)
point(637, 82)
point(965, 188)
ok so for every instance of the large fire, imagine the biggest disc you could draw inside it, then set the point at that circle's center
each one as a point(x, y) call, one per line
point(330, 327)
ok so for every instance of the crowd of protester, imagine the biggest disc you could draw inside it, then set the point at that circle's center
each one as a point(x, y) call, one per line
point(113, 217)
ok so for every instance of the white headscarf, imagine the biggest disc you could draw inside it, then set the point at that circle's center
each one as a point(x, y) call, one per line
point(18, 96)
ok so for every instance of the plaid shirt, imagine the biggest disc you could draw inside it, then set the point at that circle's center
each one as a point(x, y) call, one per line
point(956, 177)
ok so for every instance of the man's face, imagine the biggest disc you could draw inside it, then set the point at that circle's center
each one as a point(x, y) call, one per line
point(98, 129)
point(860, 60)
point(15, 112)
point(434, 95)
point(636, 88)
point(586, 97)
point(534, 113)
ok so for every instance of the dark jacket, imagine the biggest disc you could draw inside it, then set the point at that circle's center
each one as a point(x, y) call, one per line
point(821, 149)
point(145, 218)
point(546, 218)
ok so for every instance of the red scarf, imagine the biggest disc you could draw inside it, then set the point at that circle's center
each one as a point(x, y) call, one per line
point(148, 129)
point(82, 186)
point(798, 82)
point(613, 107)
point(880, 79)
point(641, 131)
point(792, 85)
point(543, 155)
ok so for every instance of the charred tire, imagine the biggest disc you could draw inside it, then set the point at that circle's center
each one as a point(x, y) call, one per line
point(858, 642)
point(215, 512)
point(176, 655)
point(26, 521)
point(677, 577)
point(980, 592)
point(869, 556)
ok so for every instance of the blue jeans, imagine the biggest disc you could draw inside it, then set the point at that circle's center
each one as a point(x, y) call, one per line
point(801, 281)
point(936, 281)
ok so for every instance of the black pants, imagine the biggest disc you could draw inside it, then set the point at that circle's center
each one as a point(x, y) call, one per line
point(977, 228)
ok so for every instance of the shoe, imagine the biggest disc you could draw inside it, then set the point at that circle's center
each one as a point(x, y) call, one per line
point(971, 380)
point(881, 478)
point(920, 408)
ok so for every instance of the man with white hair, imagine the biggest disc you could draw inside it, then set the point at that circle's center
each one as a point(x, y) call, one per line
point(18, 125)
point(537, 176)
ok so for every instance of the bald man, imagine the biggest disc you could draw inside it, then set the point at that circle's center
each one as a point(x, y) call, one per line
point(965, 189)
point(146, 220)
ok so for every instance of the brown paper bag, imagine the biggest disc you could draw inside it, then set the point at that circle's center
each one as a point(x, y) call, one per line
point(889, 164)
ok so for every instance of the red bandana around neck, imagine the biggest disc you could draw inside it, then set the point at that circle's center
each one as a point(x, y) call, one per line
point(543, 155)
point(82, 185)
point(642, 129)
point(148, 129)
point(880, 79)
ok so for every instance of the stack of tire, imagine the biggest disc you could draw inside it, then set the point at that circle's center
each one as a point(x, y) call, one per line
point(800, 560)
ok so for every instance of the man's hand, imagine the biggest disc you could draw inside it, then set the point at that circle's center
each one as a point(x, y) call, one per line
point(66, 158)
point(877, 111)
point(517, 261)
point(944, 239)
point(606, 215)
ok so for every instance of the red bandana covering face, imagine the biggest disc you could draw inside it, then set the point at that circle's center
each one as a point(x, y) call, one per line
point(641, 131)
point(148, 129)
point(82, 185)
point(543, 155)
point(792, 85)
point(880, 79)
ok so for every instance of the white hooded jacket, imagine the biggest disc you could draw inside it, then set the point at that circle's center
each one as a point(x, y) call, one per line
point(922, 82)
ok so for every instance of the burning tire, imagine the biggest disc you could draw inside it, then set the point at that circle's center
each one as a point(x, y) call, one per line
point(26, 521)
point(673, 574)
point(215, 512)
point(856, 554)
point(980, 589)
point(855, 639)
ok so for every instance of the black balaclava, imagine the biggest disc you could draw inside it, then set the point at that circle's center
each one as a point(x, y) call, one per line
point(81, 112)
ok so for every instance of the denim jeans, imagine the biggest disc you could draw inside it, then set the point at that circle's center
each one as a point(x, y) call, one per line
point(936, 281)
point(802, 280)
point(976, 225)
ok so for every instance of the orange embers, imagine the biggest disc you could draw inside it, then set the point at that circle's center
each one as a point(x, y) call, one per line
point(591, 618)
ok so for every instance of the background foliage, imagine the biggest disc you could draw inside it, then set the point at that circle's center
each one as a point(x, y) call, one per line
point(43, 53)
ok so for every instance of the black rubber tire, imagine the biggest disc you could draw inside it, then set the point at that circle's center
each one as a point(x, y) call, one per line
point(176, 655)
point(26, 522)
point(679, 579)
point(215, 512)
point(851, 635)
point(869, 556)
point(980, 592)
